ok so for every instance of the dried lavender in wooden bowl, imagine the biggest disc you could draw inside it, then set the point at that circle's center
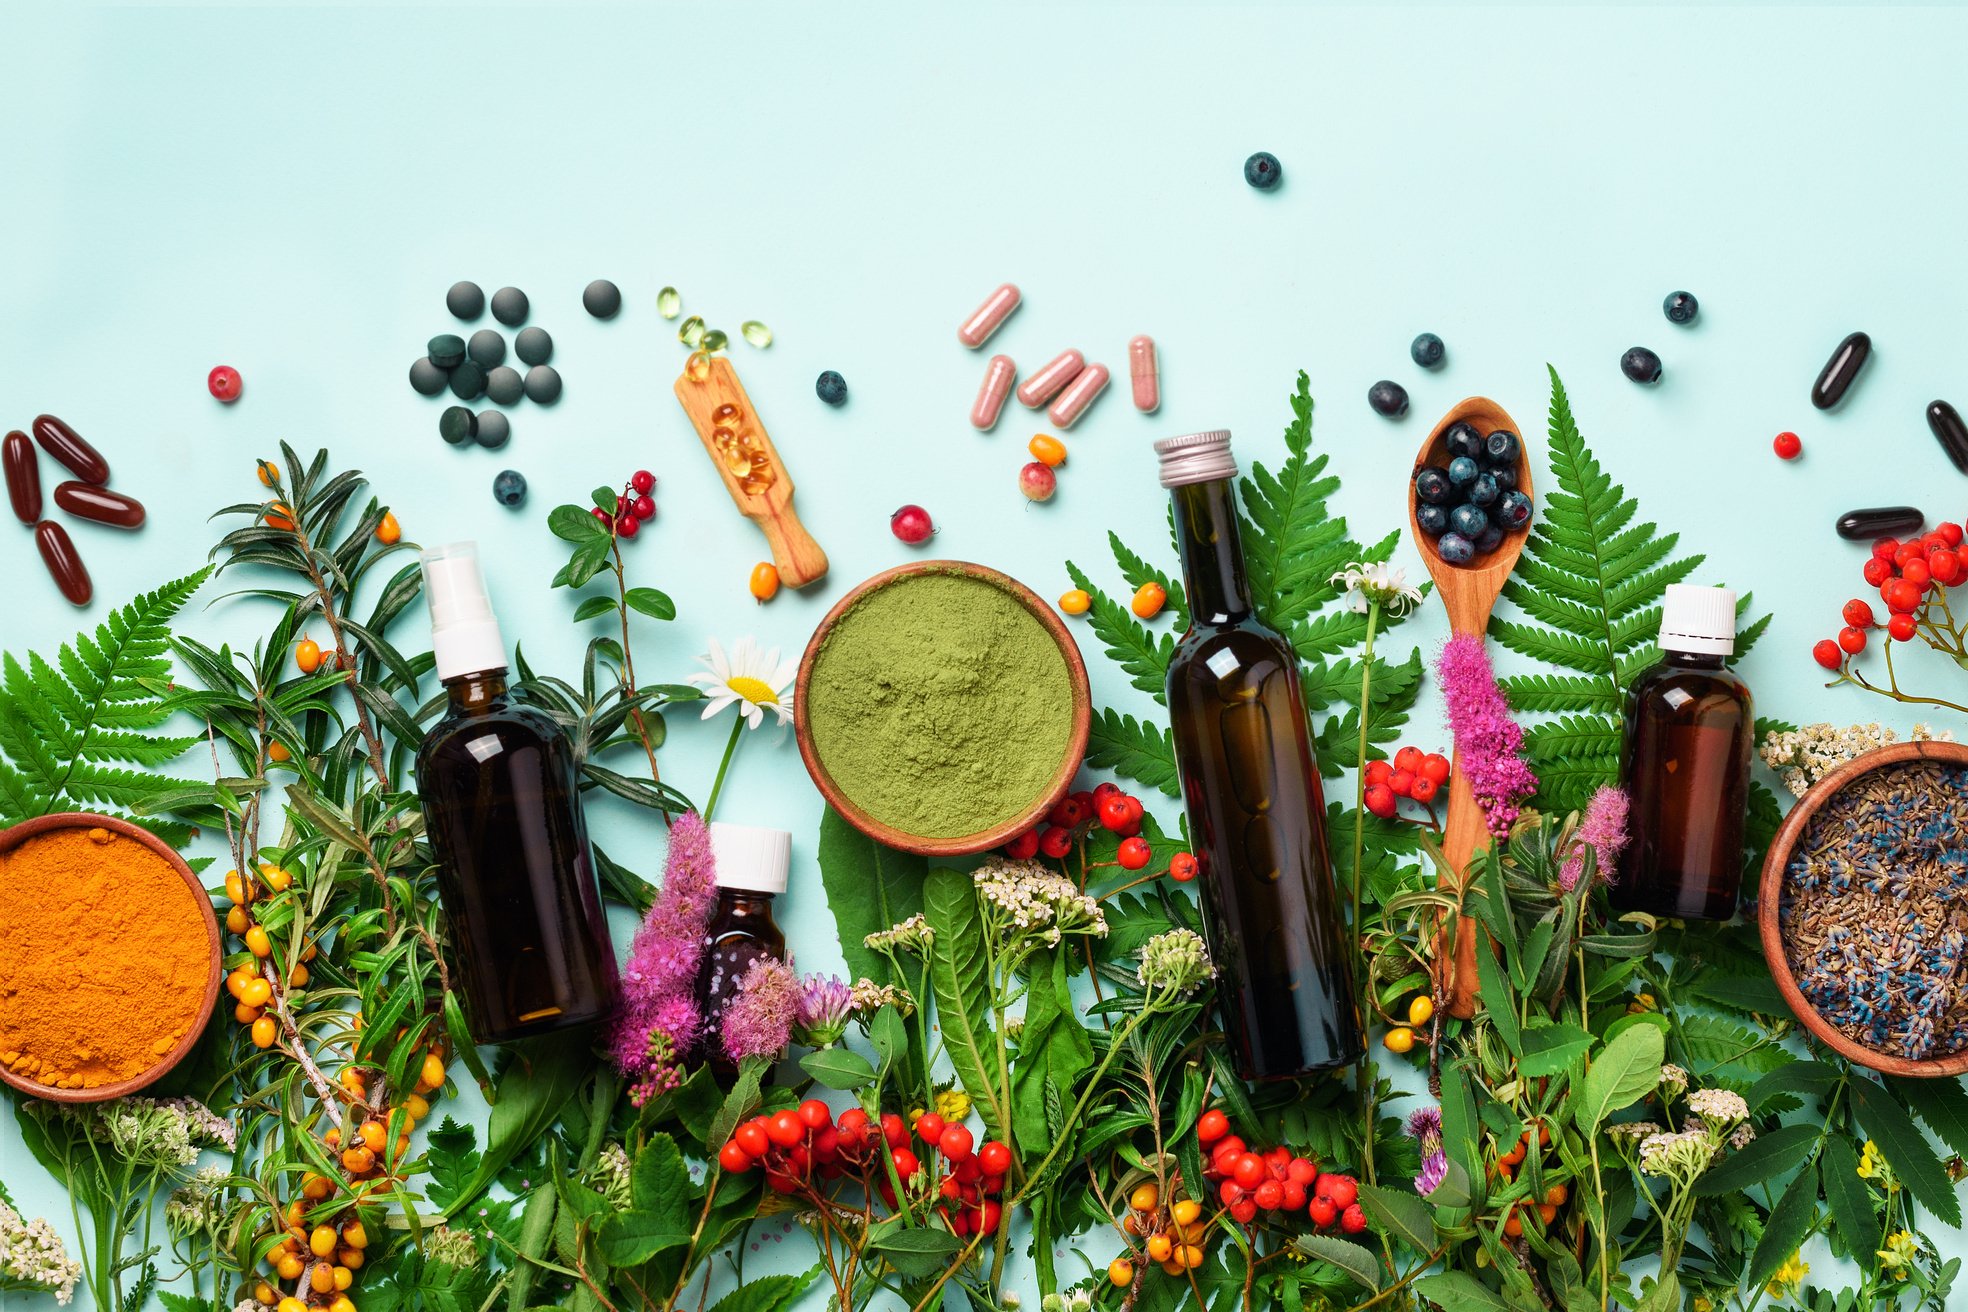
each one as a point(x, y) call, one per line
point(1874, 909)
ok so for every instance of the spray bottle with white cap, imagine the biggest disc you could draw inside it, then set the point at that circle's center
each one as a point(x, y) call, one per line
point(1689, 731)
point(502, 808)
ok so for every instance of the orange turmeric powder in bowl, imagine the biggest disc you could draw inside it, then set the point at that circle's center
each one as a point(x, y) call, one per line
point(109, 960)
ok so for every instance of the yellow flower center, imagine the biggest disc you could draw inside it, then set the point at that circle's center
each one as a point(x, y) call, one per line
point(756, 691)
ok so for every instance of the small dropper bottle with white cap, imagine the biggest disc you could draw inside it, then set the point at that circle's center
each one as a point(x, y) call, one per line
point(752, 864)
point(1685, 766)
point(501, 792)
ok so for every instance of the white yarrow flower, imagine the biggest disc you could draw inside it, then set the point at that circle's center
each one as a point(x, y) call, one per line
point(1377, 583)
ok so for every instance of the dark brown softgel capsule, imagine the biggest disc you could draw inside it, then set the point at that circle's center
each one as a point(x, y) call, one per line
point(99, 505)
point(1950, 432)
point(1880, 522)
point(1840, 370)
point(23, 476)
point(67, 446)
point(64, 565)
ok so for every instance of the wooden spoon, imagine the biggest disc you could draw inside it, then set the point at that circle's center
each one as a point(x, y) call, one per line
point(797, 556)
point(1469, 592)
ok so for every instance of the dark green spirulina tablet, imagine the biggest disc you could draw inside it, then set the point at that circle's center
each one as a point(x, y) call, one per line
point(509, 306)
point(602, 298)
point(446, 350)
point(456, 425)
point(533, 346)
point(503, 384)
point(487, 348)
point(494, 429)
point(426, 377)
point(466, 300)
point(543, 384)
point(468, 381)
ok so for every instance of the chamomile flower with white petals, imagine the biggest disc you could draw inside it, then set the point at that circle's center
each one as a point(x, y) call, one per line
point(1368, 583)
point(752, 679)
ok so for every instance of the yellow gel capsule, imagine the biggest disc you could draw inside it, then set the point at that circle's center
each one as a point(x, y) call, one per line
point(668, 303)
point(698, 367)
point(691, 331)
point(715, 340)
point(756, 333)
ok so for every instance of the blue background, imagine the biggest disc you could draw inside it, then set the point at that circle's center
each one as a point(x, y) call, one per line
point(291, 190)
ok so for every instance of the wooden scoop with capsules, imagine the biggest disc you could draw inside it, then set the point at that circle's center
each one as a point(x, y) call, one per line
point(745, 458)
point(1469, 592)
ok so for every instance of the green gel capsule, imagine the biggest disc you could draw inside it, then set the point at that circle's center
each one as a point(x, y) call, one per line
point(756, 333)
point(691, 332)
point(668, 303)
point(714, 340)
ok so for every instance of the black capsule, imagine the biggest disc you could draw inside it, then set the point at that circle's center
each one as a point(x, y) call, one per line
point(23, 476)
point(1880, 522)
point(1836, 377)
point(1641, 365)
point(99, 505)
point(1950, 432)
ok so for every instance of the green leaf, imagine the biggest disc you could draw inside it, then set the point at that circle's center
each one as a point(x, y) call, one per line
point(1906, 1149)
point(544, 1074)
point(1457, 1291)
point(1626, 1070)
point(1354, 1260)
point(1402, 1215)
point(593, 608)
point(1499, 1004)
point(659, 1219)
point(1851, 1202)
point(1460, 1129)
point(959, 976)
point(535, 1229)
point(1142, 652)
point(1789, 1225)
point(1054, 1050)
point(869, 888)
point(838, 1068)
point(574, 524)
point(650, 602)
point(1797, 1077)
point(919, 1252)
point(767, 1293)
point(1942, 1104)
point(1768, 1157)
point(1133, 749)
point(738, 1104)
point(1550, 1048)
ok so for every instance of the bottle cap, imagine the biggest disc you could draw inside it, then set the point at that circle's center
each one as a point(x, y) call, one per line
point(750, 857)
point(1698, 620)
point(464, 631)
point(1196, 458)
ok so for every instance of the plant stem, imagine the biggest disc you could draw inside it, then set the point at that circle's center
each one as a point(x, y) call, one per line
point(1364, 1074)
point(717, 785)
point(628, 664)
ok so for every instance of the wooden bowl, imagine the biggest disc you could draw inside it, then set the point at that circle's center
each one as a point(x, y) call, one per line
point(13, 837)
point(1003, 832)
point(1769, 902)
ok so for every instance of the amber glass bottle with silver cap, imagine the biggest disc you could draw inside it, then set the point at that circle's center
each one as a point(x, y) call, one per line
point(1689, 731)
point(1251, 785)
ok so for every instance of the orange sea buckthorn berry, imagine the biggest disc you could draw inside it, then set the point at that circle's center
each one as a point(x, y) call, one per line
point(1144, 1197)
point(1076, 602)
point(350, 1258)
point(343, 1278)
point(307, 953)
point(432, 1076)
point(765, 581)
point(280, 515)
point(1421, 1010)
point(389, 532)
point(417, 1106)
point(1557, 1194)
point(1120, 1273)
point(297, 978)
point(1185, 1211)
point(314, 1188)
point(237, 888)
point(322, 1241)
point(1192, 1256)
point(236, 980)
point(277, 752)
point(357, 1160)
point(1399, 1039)
point(342, 1303)
point(353, 1080)
point(322, 1278)
point(267, 474)
point(245, 1013)
point(263, 1032)
point(236, 919)
point(1160, 1248)
point(374, 1136)
point(354, 1236)
point(258, 943)
point(289, 1267)
point(1149, 599)
point(257, 993)
point(263, 1293)
point(1512, 1226)
point(296, 1212)
point(333, 1138)
point(307, 656)
point(1047, 450)
point(402, 1147)
point(276, 878)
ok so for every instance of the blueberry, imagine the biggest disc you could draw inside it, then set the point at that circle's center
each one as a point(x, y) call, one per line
point(1426, 350)
point(1484, 491)
point(1455, 548)
point(1432, 484)
point(1389, 399)
point(1470, 521)
point(509, 488)
point(1463, 471)
point(1502, 447)
point(1505, 476)
point(1641, 365)
point(831, 388)
point(1263, 171)
point(1492, 539)
point(1432, 520)
point(1680, 307)
point(1514, 511)
point(1464, 440)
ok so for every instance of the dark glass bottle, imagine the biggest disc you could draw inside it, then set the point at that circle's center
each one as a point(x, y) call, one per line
point(1689, 734)
point(1256, 809)
point(529, 940)
point(752, 865)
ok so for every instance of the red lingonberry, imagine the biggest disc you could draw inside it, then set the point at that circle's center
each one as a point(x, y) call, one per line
point(224, 383)
point(988, 1214)
point(1353, 1220)
point(955, 1143)
point(643, 508)
point(1294, 1196)
point(733, 1158)
point(1424, 790)
point(601, 514)
point(781, 1182)
point(1401, 782)
point(1906, 551)
point(1877, 571)
point(896, 1133)
point(826, 1143)
point(1852, 639)
point(642, 480)
point(1935, 541)
point(1858, 613)
point(994, 1157)
point(1182, 867)
point(1068, 813)
point(1378, 771)
point(1435, 768)
point(1024, 847)
point(1134, 853)
point(627, 525)
point(1102, 791)
point(1381, 801)
point(1788, 446)
point(1901, 595)
point(966, 1170)
point(1901, 627)
point(1056, 842)
point(929, 1127)
point(1119, 811)
point(1301, 1171)
point(1229, 1192)
point(1212, 1125)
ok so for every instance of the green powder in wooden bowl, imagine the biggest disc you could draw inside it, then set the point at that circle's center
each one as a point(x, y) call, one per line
point(939, 705)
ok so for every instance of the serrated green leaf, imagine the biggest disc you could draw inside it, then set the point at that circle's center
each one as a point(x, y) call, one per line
point(1906, 1149)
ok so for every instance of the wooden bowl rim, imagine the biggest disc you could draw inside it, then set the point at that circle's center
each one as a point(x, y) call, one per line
point(1496, 568)
point(1003, 832)
point(13, 837)
point(1769, 900)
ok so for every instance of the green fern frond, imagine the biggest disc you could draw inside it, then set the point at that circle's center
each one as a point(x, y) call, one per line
point(1143, 653)
point(69, 728)
point(1134, 748)
point(1138, 571)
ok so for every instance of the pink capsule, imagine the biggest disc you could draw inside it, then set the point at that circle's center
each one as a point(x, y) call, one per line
point(1042, 386)
point(1078, 396)
point(996, 309)
point(998, 376)
point(1145, 373)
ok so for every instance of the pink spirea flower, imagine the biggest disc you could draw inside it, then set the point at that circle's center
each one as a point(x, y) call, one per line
point(1602, 829)
point(824, 1003)
point(658, 1023)
point(758, 1021)
point(1434, 1170)
point(1489, 744)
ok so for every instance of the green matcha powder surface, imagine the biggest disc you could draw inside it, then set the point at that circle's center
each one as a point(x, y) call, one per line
point(939, 705)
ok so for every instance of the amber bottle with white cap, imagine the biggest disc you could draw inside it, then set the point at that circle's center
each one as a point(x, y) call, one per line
point(1689, 733)
point(529, 941)
point(1257, 816)
point(751, 871)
